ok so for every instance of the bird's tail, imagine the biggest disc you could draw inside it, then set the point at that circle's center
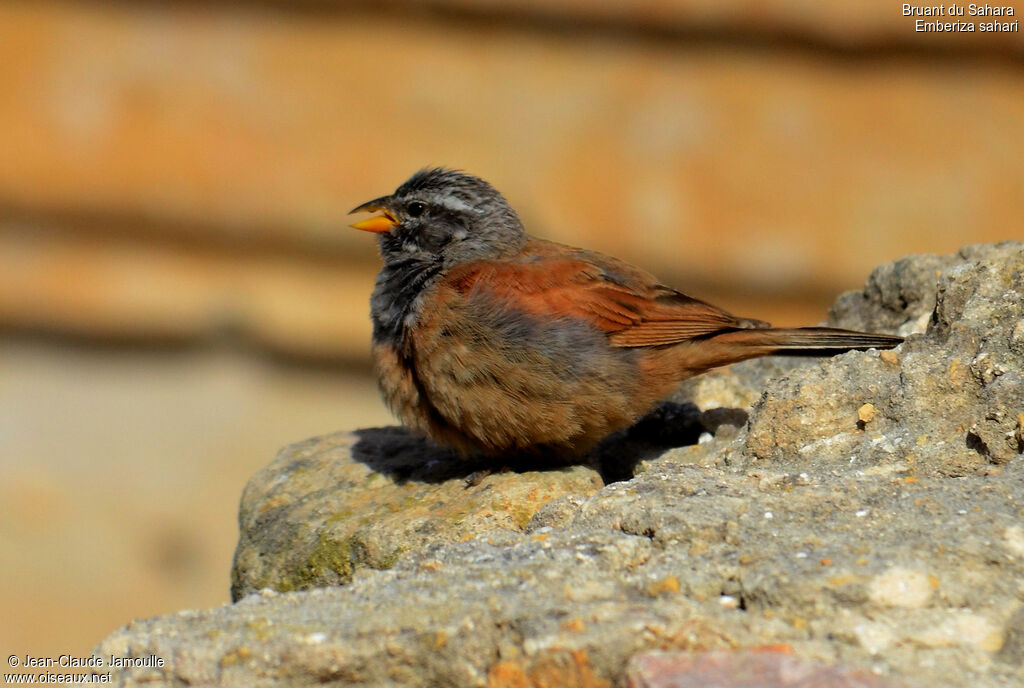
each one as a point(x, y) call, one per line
point(736, 345)
point(801, 340)
point(804, 341)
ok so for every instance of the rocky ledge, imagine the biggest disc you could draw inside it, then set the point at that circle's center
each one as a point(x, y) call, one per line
point(852, 521)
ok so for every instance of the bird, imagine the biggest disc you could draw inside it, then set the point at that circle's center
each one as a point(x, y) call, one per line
point(492, 342)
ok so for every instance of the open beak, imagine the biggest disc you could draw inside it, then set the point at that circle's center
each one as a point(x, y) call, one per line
point(384, 222)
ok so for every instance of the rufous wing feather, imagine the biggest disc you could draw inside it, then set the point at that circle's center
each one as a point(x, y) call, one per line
point(628, 304)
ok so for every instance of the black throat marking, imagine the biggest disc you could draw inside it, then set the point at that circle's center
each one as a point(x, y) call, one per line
point(397, 295)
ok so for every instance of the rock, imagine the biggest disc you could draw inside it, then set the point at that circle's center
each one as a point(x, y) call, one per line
point(947, 402)
point(899, 297)
point(327, 507)
point(767, 669)
point(866, 518)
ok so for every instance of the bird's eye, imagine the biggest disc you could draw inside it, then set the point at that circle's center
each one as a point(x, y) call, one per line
point(415, 209)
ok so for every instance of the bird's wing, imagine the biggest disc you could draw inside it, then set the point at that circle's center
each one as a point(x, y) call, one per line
point(630, 305)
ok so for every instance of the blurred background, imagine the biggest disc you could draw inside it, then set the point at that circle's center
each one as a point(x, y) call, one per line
point(180, 295)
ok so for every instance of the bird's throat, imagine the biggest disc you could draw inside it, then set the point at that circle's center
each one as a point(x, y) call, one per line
point(397, 297)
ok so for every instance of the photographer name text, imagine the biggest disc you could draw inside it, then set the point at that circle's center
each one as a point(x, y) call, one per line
point(90, 662)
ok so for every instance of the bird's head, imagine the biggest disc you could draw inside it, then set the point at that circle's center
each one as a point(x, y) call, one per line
point(445, 215)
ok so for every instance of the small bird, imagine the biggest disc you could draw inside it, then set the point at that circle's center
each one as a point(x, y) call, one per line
point(490, 341)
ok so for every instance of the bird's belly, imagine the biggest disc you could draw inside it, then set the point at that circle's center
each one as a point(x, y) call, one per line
point(497, 381)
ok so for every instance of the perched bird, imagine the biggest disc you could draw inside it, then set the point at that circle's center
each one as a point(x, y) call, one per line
point(490, 341)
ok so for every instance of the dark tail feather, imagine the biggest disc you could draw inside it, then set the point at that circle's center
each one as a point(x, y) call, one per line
point(732, 346)
point(804, 341)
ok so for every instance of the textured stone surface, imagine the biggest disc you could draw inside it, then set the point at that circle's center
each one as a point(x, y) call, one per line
point(332, 505)
point(766, 669)
point(887, 545)
point(947, 401)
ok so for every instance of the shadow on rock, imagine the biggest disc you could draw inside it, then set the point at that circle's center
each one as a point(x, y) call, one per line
point(403, 456)
point(668, 426)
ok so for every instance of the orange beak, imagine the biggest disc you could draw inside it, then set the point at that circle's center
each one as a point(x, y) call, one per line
point(378, 223)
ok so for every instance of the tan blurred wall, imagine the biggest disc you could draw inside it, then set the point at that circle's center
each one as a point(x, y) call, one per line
point(175, 172)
